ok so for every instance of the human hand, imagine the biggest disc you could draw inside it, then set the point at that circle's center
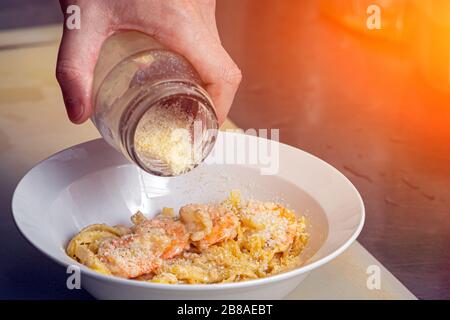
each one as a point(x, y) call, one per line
point(187, 27)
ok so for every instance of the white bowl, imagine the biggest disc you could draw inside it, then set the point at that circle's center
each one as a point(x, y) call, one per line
point(92, 183)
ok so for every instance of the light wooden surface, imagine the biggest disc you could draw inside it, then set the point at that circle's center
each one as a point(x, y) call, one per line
point(29, 36)
point(33, 125)
point(346, 278)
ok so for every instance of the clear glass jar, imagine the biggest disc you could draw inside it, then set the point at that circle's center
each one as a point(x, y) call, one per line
point(139, 84)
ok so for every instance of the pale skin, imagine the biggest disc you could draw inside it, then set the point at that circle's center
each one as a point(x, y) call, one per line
point(187, 27)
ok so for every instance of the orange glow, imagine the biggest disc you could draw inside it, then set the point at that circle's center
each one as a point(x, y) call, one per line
point(421, 26)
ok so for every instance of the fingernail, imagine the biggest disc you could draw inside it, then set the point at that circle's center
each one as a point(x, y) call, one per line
point(74, 109)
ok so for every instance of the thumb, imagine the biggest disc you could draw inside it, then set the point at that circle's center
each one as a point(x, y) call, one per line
point(78, 53)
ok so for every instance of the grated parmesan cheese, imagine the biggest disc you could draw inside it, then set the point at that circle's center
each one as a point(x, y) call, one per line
point(163, 137)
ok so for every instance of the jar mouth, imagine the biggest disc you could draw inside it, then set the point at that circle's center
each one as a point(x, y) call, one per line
point(192, 98)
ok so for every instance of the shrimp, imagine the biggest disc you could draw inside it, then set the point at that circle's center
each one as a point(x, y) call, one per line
point(143, 251)
point(173, 228)
point(209, 224)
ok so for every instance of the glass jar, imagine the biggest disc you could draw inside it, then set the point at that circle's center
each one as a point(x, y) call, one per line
point(142, 93)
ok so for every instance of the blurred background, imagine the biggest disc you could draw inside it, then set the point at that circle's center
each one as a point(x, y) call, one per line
point(375, 103)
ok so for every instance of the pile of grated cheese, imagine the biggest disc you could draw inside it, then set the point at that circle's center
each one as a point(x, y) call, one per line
point(164, 135)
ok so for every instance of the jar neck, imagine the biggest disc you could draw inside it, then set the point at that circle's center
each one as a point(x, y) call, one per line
point(160, 93)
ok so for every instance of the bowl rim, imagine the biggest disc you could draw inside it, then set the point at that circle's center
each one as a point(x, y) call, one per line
point(195, 287)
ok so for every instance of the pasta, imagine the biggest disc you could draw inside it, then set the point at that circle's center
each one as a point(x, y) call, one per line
point(215, 243)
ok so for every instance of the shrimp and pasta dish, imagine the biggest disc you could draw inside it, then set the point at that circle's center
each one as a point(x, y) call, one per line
point(230, 241)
